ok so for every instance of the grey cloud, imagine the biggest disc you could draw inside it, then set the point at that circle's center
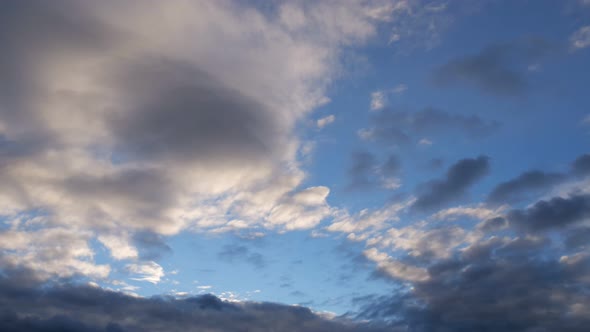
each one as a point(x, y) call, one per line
point(182, 112)
point(557, 212)
point(498, 69)
point(526, 183)
point(72, 308)
point(578, 238)
point(581, 166)
point(363, 164)
point(400, 128)
point(536, 182)
point(493, 224)
point(459, 177)
point(151, 246)
point(238, 253)
point(502, 287)
point(367, 171)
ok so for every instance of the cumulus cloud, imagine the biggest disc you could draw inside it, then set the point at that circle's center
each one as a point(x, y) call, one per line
point(402, 128)
point(111, 122)
point(521, 293)
point(460, 176)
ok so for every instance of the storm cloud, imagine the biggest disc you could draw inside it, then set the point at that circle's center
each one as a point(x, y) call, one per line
point(76, 308)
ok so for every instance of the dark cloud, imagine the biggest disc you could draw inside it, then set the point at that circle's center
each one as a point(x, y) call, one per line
point(536, 182)
point(238, 253)
point(72, 308)
point(499, 69)
point(497, 285)
point(458, 179)
point(557, 212)
point(362, 170)
point(526, 183)
point(399, 128)
point(577, 238)
point(183, 113)
point(493, 224)
point(367, 172)
point(151, 246)
point(581, 166)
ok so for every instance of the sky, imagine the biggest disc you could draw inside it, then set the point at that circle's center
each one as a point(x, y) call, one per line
point(295, 165)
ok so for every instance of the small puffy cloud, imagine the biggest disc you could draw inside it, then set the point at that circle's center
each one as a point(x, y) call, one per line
point(425, 142)
point(378, 100)
point(581, 38)
point(400, 88)
point(322, 122)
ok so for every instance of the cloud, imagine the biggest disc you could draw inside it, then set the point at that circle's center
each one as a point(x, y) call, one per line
point(322, 122)
point(402, 128)
point(526, 183)
point(460, 176)
point(498, 69)
point(239, 253)
point(493, 285)
point(581, 38)
point(378, 100)
point(146, 271)
point(367, 221)
point(558, 212)
point(536, 181)
point(111, 122)
point(367, 172)
point(91, 309)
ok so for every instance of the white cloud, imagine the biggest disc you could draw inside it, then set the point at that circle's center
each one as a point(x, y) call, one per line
point(106, 146)
point(118, 246)
point(322, 122)
point(425, 142)
point(400, 88)
point(378, 100)
point(395, 268)
point(367, 220)
point(146, 271)
point(581, 38)
point(480, 212)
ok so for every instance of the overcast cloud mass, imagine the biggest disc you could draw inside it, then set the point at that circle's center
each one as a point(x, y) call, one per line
point(294, 165)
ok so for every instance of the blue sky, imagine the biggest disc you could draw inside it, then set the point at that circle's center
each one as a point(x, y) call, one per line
point(383, 163)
